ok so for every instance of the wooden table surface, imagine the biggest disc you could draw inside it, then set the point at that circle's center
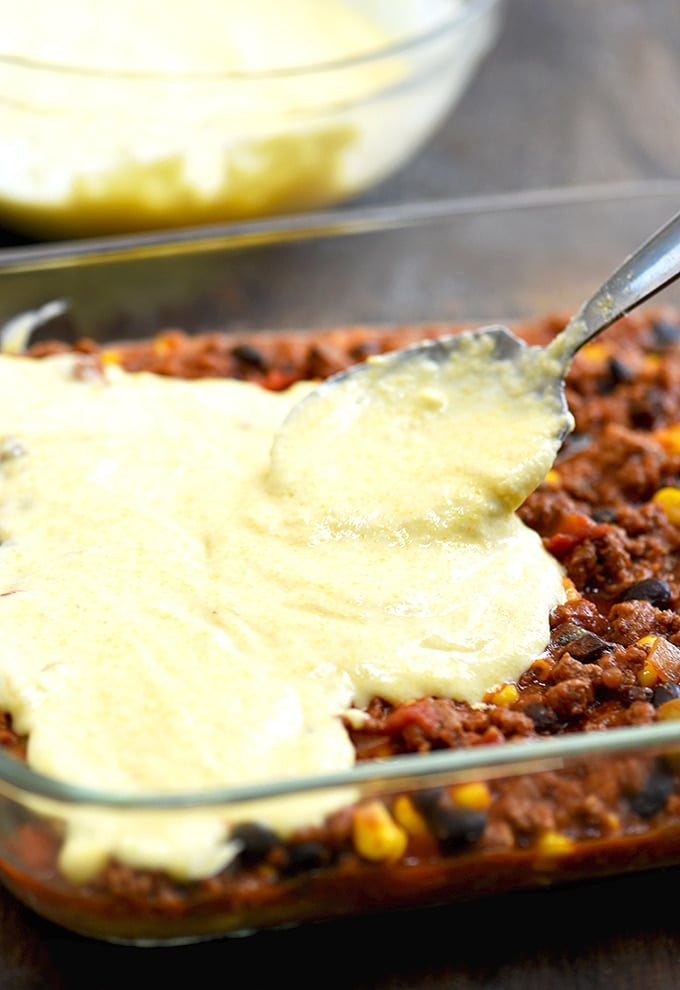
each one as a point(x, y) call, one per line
point(575, 92)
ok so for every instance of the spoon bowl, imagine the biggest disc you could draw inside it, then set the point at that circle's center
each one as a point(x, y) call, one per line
point(447, 432)
point(653, 266)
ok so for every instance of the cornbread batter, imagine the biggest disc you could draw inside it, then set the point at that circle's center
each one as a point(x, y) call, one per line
point(178, 614)
point(424, 443)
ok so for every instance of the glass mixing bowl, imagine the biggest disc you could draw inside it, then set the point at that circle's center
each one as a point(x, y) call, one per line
point(115, 122)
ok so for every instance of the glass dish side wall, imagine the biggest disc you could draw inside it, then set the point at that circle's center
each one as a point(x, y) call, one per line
point(417, 839)
point(495, 258)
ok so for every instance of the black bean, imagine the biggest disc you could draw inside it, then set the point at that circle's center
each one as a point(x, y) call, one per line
point(653, 796)
point(304, 857)
point(652, 590)
point(665, 691)
point(665, 332)
point(451, 826)
point(427, 799)
point(256, 840)
point(455, 828)
point(620, 372)
point(250, 355)
point(604, 515)
point(566, 633)
point(587, 648)
point(647, 411)
point(582, 644)
point(543, 717)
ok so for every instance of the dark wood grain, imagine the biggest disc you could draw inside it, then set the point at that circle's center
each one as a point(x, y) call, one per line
point(609, 934)
point(575, 91)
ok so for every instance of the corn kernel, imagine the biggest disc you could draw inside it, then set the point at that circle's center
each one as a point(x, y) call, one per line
point(612, 823)
point(168, 343)
point(669, 438)
point(648, 676)
point(505, 696)
point(475, 796)
point(376, 836)
point(669, 500)
point(595, 352)
point(669, 711)
point(553, 843)
point(553, 477)
point(407, 815)
point(649, 640)
point(110, 357)
point(162, 346)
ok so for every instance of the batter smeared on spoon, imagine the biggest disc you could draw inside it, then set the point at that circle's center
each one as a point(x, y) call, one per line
point(488, 410)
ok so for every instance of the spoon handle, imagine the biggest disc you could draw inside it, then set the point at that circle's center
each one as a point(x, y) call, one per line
point(654, 265)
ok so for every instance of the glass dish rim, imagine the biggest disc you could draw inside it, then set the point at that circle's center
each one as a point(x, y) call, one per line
point(531, 756)
point(337, 222)
point(19, 780)
point(448, 23)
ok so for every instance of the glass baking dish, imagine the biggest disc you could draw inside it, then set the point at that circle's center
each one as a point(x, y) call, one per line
point(505, 258)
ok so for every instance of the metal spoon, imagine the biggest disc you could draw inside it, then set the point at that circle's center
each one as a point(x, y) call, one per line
point(321, 441)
